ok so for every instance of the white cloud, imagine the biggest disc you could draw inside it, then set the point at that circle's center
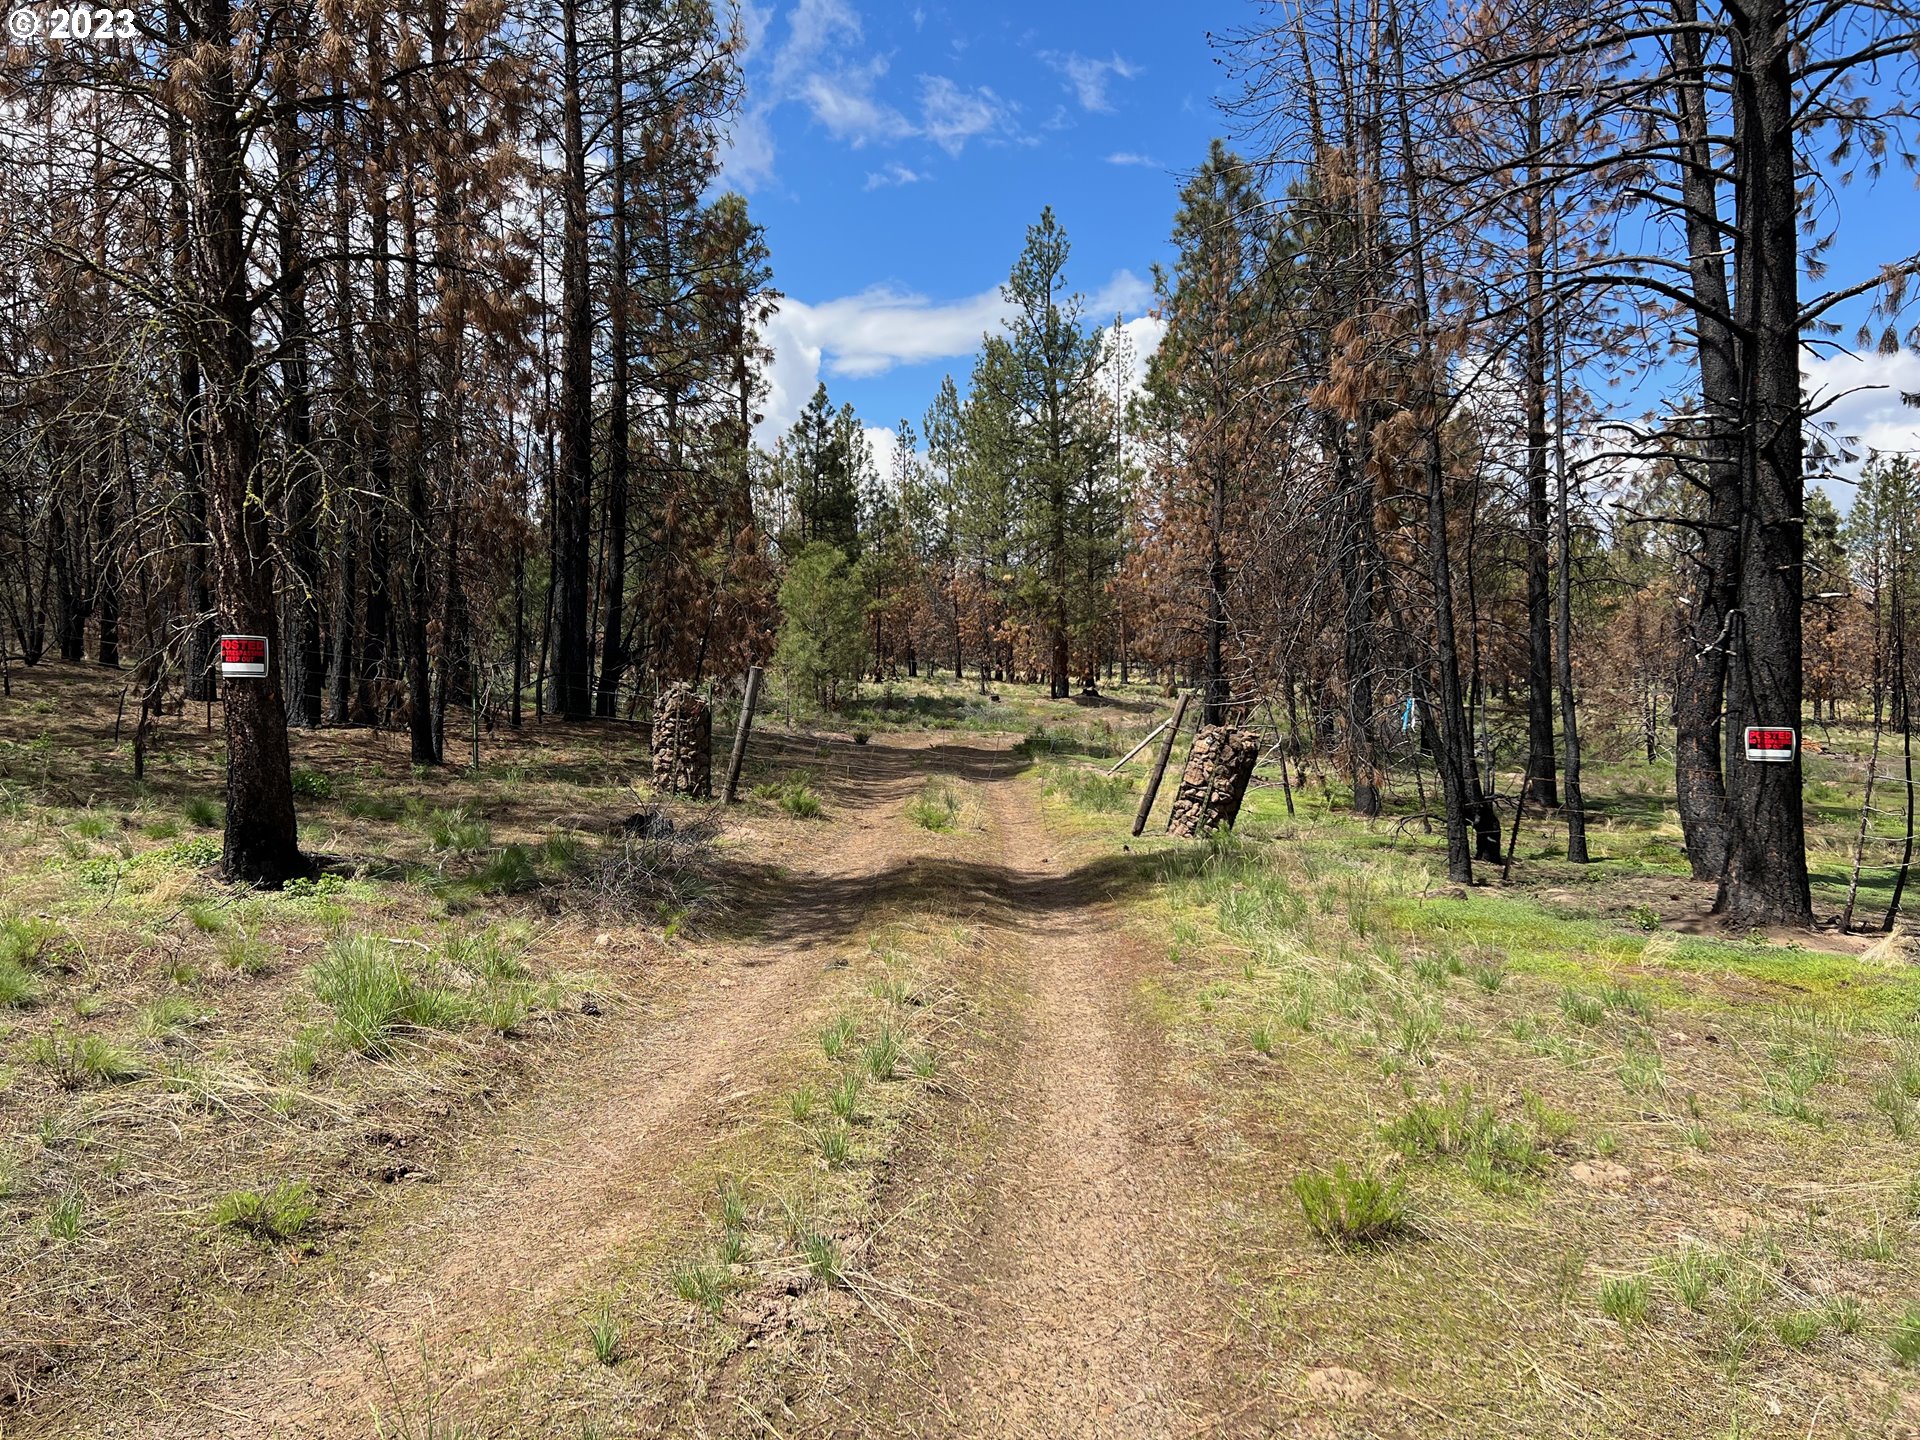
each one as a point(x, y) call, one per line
point(1129, 157)
point(1125, 292)
point(857, 337)
point(747, 156)
point(1088, 79)
point(812, 26)
point(818, 64)
point(1867, 413)
point(893, 173)
point(885, 445)
point(845, 104)
point(952, 116)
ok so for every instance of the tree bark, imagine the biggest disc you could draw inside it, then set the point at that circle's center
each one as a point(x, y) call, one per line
point(261, 842)
point(573, 672)
point(1700, 682)
point(1541, 788)
point(1765, 881)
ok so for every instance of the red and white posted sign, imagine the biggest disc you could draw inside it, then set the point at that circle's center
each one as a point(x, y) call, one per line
point(1770, 744)
point(243, 657)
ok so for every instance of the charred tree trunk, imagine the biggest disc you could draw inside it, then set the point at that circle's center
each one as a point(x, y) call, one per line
point(106, 578)
point(573, 482)
point(422, 744)
point(1700, 682)
point(1354, 546)
point(1541, 787)
point(262, 841)
point(347, 509)
point(306, 668)
point(613, 658)
point(1765, 881)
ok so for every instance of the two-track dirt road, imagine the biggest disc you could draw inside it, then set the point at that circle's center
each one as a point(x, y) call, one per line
point(1081, 1304)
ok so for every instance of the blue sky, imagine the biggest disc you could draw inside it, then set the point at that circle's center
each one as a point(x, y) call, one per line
point(896, 154)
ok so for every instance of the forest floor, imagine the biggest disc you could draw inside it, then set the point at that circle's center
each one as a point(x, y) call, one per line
point(911, 1096)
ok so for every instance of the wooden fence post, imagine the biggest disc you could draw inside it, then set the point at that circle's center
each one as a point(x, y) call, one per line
point(740, 735)
point(1160, 762)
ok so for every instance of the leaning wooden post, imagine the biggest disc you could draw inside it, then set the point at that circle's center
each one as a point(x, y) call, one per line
point(1118, 764)
point(1160, 763)
point(740, 735)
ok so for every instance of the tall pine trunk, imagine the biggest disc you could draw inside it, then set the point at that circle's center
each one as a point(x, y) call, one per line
point(1700, 681)
point(1541, 787)
point(261, 842)
point(573, 480)
point(1765, 881)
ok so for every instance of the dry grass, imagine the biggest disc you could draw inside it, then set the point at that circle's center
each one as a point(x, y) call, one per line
point(1651, 1201)
point(166, 1040)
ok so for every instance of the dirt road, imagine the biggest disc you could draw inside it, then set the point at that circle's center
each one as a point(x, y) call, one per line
point(1082, 1308)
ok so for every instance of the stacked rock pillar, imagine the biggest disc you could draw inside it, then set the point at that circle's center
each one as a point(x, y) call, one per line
point(682, 743)
point(1215, 780)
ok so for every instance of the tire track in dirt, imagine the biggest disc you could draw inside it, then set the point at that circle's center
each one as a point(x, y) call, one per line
point(1087, 1314)
point(457, 1291)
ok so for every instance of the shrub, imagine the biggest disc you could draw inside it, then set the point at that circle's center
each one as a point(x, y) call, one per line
point(278, 1214)
point(669, 872)
point(312, 785)
point(1351, 1207)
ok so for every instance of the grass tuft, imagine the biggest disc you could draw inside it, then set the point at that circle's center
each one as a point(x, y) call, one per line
point(276, 1215)
point(79, 1061)
point(1624, 1298)
point(67, 1216)
point(604, 1331)
point(824, 1260)
point(702, 1283)
point(18, 986)
point(1352, 1207)
point(374, 1000)
point(799, 800)
point(1904, 1337)
point(937, 807)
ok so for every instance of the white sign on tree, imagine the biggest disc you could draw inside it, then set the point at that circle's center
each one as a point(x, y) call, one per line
point(243, 657)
